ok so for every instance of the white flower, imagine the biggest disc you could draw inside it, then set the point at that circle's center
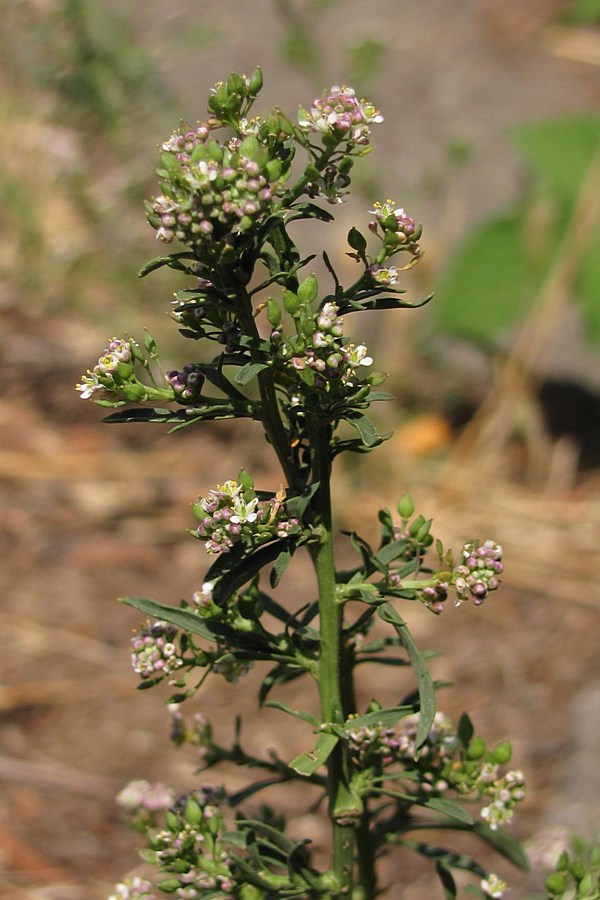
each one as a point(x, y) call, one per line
point(494, 886)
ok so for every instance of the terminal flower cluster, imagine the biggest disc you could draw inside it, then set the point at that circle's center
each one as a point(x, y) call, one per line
point(231, 513)
point(210, 191)
point(478, 572)
point(154, 651)
point(339, 113)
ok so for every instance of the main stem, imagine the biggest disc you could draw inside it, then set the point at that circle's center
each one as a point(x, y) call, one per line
point(343, 809)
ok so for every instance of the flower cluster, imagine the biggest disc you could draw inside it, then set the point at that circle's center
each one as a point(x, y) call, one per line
point(134, 889)
point(399, 232)
point(504, 793)
point(493, 886)
point(141, 795)
point(211, 190)
point(186, 384)
point(326, 355)
point(154, 651)
point(372, 745)
point(340, 114)
point(232, 512)
point(478, 572)
point(111, 374)
point(189, 849)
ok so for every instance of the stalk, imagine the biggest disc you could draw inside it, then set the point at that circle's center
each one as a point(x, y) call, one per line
point(343, 806)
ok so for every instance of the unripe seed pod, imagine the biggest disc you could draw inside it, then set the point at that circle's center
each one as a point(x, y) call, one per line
point(476, 748)
point(308, 289)
point(502, 753)
point(273, 313)
point(405, 506)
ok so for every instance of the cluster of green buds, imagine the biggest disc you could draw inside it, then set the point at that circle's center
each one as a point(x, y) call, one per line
point(233, 512)
point(188, 850)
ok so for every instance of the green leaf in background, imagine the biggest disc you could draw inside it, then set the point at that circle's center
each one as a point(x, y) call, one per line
point(559, 153)
point(500, 267)
point(483, 293)
point(308, 763)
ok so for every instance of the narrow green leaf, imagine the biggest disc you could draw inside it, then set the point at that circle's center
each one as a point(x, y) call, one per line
point(248, 372)
point(450, 809)
point(425, 684)
point(297, 713)
point(173, 261)
point(308, 763)
point(183, 618)
point(447, 881)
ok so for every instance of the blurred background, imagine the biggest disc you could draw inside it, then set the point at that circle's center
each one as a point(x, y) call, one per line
point(492, 139)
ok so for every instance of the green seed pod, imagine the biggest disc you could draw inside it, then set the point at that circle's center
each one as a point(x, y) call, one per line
point(308, 289)
point(405, 506)
point(193, 813)
point(273, 313)
point(236, 84)
point(502, 753)
point(476, 749)
point(290, 302)
point(134, 392)
point(169, 886)
point(255, 83)
point(556, 884)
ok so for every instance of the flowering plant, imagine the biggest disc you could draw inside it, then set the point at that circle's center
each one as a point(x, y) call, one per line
point(231, 192)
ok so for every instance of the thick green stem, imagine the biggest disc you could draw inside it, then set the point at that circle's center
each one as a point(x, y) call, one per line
point(344, 807)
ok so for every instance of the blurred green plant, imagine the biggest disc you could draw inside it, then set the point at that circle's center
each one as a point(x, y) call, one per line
point(496, 277)
point(582, 12)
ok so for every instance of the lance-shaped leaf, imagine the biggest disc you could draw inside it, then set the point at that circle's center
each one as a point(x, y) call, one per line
point(450, 809)
point(388, 613)
point(249, 371)
point(365, 427)
point(173, 261)
point(296, 713)
point(183, 618)
point(307, 763)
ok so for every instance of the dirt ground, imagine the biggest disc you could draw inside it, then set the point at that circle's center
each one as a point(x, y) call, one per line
point(92, 512)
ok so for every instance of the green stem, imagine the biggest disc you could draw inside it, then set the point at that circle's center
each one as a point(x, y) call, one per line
point(271, 417)
point(344, 807)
